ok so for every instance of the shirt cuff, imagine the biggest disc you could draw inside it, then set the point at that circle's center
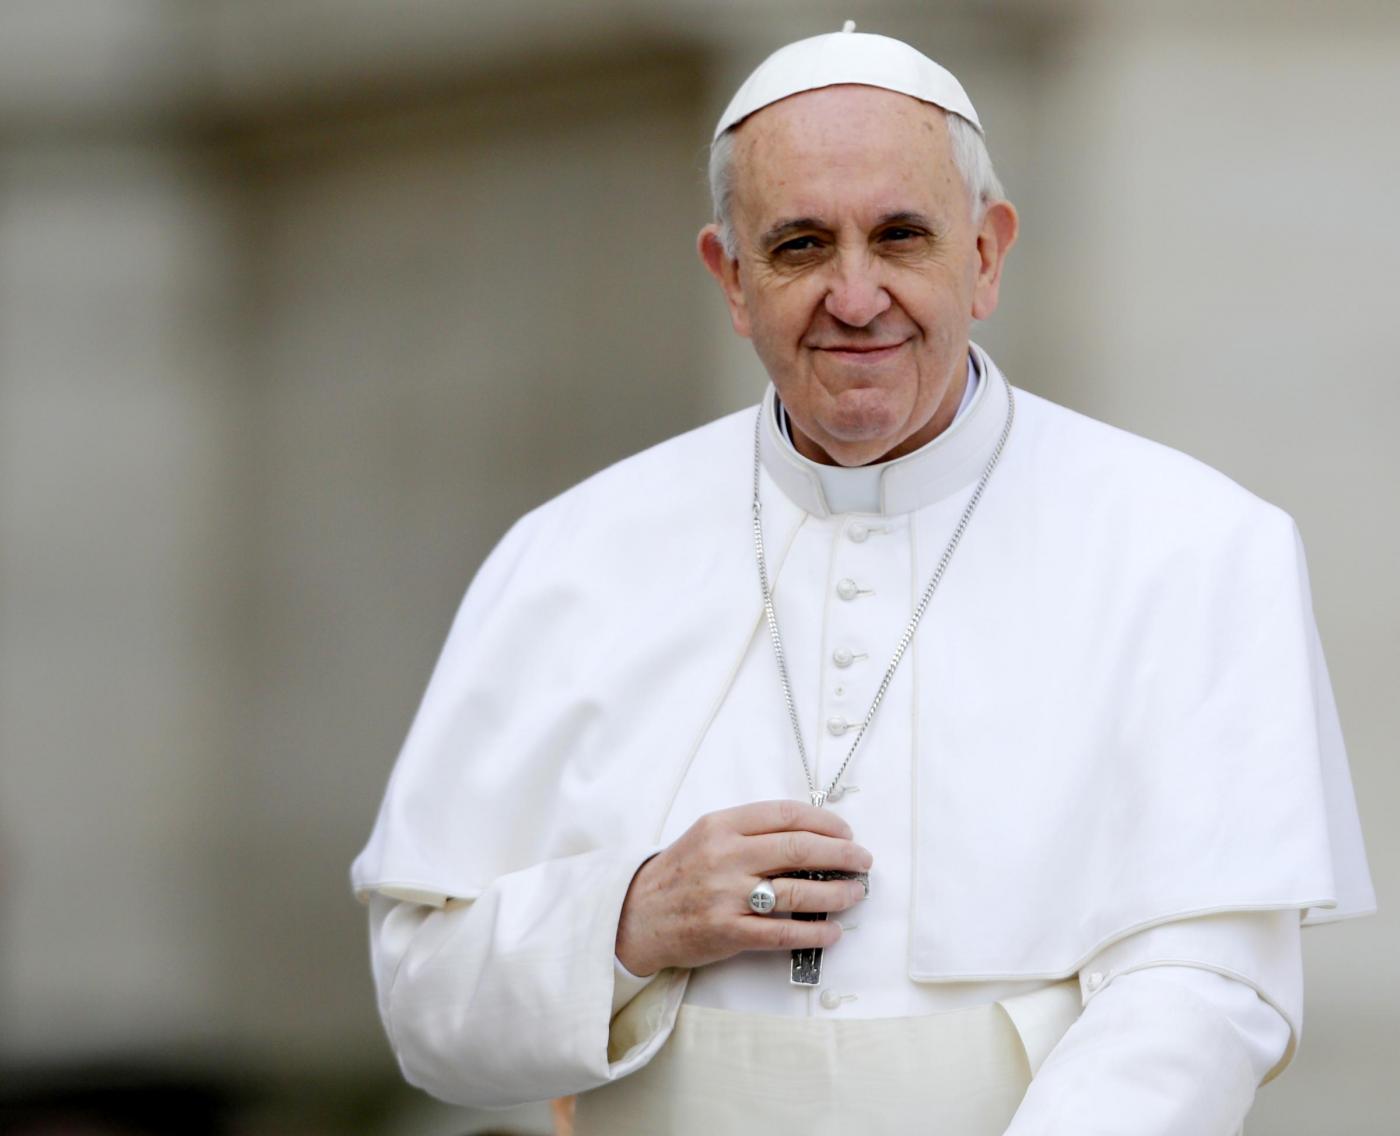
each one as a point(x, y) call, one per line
point(627, 985)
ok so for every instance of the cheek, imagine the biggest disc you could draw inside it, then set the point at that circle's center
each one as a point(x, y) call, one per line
point(781, 310)
point(944, 310)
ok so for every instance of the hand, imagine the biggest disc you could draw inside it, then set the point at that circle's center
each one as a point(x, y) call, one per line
point(688, 905)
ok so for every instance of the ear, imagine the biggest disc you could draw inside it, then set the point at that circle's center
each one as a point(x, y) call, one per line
point(994, 240)
point(725, 269)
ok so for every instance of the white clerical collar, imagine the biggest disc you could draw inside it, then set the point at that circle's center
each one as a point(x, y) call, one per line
point(947, 463)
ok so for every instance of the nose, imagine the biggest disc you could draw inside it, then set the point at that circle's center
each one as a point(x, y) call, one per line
point(855, 295)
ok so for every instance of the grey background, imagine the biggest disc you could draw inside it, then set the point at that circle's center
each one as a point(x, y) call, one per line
point(301, 303)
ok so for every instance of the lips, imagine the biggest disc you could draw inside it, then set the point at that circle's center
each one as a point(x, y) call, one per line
point(862, 353)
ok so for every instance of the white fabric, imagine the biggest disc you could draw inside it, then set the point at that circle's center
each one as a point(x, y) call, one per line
point(1123, 718)
point(627, 985)
point(1151, 1056)
point(1259, 952)
point(507, 998)
point(962, 1073)
point(847, 57)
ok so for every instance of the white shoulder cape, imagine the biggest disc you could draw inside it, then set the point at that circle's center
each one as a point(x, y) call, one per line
point(1159, 739)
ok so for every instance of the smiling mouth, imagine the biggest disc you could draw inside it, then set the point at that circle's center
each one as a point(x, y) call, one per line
point(862, 353)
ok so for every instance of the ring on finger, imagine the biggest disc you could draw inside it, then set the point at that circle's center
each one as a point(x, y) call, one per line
point(762, 899)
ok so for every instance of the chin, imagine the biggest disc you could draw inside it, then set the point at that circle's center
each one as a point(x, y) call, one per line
point(866, 428)
point(855, 448)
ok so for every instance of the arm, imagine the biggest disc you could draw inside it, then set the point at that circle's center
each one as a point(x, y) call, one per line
point(509, 997)
point(1181, 1024)
point(513, 996)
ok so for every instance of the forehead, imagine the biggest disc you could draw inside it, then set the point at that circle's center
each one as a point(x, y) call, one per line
point(843, 149)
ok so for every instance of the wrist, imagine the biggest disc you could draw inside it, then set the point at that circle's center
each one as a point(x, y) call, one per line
point(635, 947)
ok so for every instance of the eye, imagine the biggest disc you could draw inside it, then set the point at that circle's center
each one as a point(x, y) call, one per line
point(798, 245)
point(900, 233)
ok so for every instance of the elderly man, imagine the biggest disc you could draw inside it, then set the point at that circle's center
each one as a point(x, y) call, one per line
point(1032, 709)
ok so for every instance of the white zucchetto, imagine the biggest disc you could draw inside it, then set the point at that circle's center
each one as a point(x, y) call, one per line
point(847, 56)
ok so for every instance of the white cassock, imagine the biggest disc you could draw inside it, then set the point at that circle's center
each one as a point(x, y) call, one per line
point(1107, 775)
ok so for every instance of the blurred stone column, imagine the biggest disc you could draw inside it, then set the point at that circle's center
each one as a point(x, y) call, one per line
point(114, 526)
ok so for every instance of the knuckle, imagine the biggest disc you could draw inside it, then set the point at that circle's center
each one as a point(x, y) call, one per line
point(789, 813)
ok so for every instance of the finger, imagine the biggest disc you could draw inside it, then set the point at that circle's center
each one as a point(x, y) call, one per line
point(788, 934)
point(817, 895)
point(775, 852)
point(786, 816)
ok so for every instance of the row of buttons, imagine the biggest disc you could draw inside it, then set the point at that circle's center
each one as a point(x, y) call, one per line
point(847, 589)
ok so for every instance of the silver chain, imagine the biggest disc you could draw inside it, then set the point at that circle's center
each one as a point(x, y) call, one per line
point(819, 796)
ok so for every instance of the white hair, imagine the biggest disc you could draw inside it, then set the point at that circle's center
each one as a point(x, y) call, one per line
point(969, 155)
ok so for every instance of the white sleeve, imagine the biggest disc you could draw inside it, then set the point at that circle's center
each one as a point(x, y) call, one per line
point(509, 997)
point(1181, 1024)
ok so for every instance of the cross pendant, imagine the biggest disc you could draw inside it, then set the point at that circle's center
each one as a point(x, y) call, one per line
point(807, 961)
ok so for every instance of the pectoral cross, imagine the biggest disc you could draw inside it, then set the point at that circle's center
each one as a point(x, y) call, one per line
point(807, 961)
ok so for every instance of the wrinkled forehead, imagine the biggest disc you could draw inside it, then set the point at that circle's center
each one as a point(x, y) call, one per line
point(843, 147)
point(842, 116)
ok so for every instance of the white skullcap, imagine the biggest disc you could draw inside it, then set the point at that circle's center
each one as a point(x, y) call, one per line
point(847, 56)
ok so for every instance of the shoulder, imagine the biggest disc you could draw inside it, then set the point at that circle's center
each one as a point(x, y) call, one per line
point(669, 492)
point(1098, 462)
point(677, 470)
point(1144, 510)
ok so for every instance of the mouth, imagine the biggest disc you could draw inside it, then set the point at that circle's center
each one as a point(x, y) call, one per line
point(862, 354)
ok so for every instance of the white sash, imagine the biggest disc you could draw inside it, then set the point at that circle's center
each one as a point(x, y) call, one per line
point(959, 1073)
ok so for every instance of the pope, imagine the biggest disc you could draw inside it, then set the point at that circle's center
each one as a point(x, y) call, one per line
point(906, 753)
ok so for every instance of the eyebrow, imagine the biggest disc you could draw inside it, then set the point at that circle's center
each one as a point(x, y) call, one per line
point(784, 229)
point(787, 228)
point(908, 217)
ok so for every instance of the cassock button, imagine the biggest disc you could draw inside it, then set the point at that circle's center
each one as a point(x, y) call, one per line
point(847, 589)
point(858, 532)
point(837, 726)
point(1095, 980)
point(830, 999)
point(843, 657)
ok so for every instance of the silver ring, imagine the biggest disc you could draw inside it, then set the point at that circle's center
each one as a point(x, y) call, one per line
point(763, 898)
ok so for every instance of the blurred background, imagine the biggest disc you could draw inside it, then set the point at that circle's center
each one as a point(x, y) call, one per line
point(302, 302)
